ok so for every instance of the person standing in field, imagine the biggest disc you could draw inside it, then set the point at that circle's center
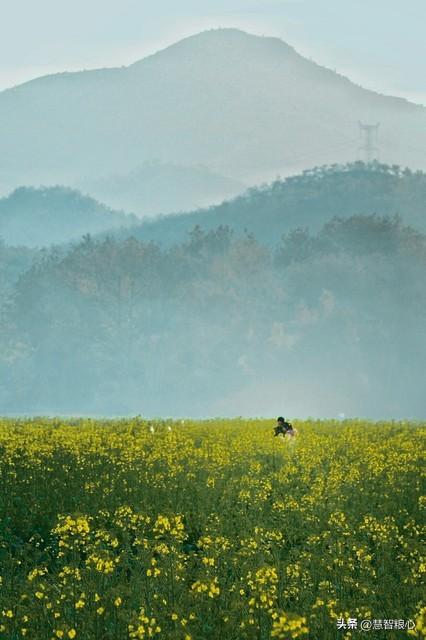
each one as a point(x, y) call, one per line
point(284, 429)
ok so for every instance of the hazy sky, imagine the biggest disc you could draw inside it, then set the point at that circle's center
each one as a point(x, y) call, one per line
point(378, 43)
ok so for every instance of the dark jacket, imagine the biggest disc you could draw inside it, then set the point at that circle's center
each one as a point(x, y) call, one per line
point(282, 427)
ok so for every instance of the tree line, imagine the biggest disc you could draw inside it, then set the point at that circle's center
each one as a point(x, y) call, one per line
point(323, 323)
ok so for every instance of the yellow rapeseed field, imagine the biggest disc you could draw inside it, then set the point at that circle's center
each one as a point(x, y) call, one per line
point(114, 530)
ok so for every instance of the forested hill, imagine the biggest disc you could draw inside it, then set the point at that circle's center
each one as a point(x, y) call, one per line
point(325, 323)
point(307, 200)
point(53, 215)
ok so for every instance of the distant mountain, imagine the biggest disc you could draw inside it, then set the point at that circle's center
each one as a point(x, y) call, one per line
point(242, 105)
point(157, 188)
point(308, 200)
point(40, 217)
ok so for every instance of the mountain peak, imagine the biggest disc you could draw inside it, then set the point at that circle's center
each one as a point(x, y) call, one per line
point(231, 34)
point(223, 40)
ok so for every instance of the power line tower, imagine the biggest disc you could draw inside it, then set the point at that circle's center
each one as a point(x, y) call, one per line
point(369, 134)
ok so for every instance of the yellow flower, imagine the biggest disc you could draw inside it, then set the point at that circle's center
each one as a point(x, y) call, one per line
point(289, 627)
point(72, 633)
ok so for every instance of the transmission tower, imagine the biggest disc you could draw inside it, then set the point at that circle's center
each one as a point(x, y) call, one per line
point(369, 134)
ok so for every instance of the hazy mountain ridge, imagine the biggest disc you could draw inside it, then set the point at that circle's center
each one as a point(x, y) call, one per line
point(158, 188)
point(53, 215)
point(40, 217)
point(307, 200)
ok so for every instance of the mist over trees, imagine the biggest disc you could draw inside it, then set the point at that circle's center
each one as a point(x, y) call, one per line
point(323, 323)
point(303, 297)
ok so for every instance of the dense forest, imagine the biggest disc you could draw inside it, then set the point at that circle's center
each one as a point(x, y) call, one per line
point(324, 322)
